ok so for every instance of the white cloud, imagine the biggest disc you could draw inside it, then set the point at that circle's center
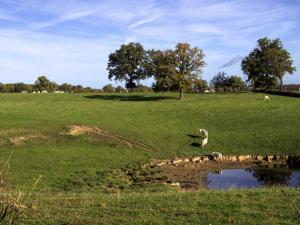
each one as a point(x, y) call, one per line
point(223, 29)
point(142, 22)
point(206, 29)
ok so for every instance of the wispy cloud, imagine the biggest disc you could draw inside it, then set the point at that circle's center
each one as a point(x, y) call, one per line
point(63, 18)
point(206, 29)
point(78, 35)
point(143, 21)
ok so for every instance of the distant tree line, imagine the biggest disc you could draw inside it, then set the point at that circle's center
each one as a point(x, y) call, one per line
point(180, 69)
point(43, 84)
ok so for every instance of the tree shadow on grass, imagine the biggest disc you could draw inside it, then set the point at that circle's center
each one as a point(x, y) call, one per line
point(129, 97)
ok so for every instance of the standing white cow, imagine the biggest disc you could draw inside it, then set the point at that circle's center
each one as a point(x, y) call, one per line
point(203, 137)
point(267, 98)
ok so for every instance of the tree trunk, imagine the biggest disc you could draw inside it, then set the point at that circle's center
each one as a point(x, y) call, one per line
point(181, 94)
point(280, 85)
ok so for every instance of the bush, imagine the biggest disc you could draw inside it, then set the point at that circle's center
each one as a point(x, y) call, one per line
point(222, 82)
point(109, 88)
point(120, 89)
point(142, 88)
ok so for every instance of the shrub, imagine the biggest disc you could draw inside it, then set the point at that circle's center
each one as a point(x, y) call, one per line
point(109, 88)
point(142, 88)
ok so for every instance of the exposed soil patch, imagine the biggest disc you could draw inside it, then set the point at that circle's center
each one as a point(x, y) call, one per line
point(76, 130)
point(18, 140)
point(18, 136)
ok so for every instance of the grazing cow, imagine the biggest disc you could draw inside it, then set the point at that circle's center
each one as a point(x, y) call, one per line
point(267, 98)
point(203, 137)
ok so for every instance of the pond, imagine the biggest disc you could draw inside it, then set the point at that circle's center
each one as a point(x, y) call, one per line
point(252, 178)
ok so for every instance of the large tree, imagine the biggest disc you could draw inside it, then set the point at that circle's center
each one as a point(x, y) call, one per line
point(222, 82)
point(267, 64)
point(128, 64)
point(179, 68)
point(189, 63)
point(44, 84)
point(219, 81)
point(163, 68)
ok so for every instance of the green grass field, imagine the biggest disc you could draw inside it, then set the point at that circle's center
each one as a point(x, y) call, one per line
point(237, 124)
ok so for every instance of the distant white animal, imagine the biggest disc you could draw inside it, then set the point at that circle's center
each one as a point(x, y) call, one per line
point(59, 92)
point(267, 98)
point(206, 91)
point(203, 137)
point(44, 92)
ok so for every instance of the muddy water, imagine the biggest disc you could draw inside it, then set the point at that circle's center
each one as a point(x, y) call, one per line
point(252, 178)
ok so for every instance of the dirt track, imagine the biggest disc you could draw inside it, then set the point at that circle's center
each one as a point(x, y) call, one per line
point(101, 133)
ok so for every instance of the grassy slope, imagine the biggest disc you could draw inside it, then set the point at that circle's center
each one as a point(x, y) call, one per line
point(265, 206)
point(237, 123)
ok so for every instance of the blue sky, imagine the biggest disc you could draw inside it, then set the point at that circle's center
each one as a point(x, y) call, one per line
point(69, 40)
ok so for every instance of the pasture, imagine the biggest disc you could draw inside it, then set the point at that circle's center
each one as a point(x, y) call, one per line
point(34, 139)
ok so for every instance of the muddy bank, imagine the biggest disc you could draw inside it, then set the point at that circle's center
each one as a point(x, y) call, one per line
point(191, 173)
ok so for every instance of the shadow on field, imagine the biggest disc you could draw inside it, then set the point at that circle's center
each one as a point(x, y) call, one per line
point(195, 139)
point(129, 97)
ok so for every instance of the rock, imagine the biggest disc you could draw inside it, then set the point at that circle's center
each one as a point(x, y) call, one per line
point(259, 157)
point(177, 161)
point(186, 160)
point(268, 158)
point(244, 157)
point(217, 156)
point(161, 163)
point(232, 158)
point(175, 184)
point(205, 158)
point(196, 159)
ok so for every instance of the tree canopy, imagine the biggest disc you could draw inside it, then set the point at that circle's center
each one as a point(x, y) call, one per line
point(179, 68)
point(222, 82)
point(128, 64)
point(189, 63)
point(267, 64)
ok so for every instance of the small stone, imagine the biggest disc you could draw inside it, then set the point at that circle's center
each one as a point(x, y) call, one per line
point(205, 158)
point(196, 159)
point(259, 157)
point(175, 184)
point(161, 163)
point(177, 161)
point(217, 156)
point(186, 160)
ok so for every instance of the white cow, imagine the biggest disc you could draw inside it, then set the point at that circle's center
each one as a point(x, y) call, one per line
point(203, 137)
point(267, 98)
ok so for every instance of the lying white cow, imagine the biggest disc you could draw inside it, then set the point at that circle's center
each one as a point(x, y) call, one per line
point(203, 137)
point(267, 98)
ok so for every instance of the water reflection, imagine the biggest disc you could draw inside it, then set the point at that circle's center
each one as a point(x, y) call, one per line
point(252, 177)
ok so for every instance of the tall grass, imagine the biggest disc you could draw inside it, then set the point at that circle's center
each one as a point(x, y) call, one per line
point(11, 208)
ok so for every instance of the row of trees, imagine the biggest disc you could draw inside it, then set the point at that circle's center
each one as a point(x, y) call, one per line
point(178, 69)
point(181, 68)
point(43, 84)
